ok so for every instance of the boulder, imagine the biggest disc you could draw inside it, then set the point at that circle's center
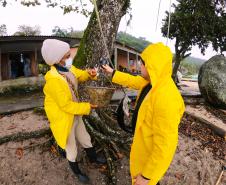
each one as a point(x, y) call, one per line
point(212, 81)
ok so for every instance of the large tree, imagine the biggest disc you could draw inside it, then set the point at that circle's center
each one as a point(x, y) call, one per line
point(198, 23)
point(100, 124)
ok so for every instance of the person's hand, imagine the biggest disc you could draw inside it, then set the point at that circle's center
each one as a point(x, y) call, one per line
point(139, 180)
point(93, 106)
point(107, 69)
point(92, 72)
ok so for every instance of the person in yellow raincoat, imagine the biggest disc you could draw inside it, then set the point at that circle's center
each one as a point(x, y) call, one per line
point(62, 105)
point(159, 110)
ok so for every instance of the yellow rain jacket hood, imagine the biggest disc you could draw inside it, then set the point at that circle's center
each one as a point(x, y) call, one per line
point(156, 134)
point(58, 103)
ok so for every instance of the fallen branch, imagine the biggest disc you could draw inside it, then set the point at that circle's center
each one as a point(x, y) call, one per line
point(20, 136)
point(46, 143)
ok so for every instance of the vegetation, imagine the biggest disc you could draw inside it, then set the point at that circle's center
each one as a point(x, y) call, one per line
point(191, 65)
point(198, 23)
point(3, 30)
point(78, 6)
point(70, 32)
point(24, 30)
point(137, 43)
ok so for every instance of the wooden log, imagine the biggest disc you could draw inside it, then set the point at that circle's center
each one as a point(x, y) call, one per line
point(20, 136)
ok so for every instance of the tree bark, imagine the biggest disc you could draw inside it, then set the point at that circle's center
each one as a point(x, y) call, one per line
point(91, 50)
point(177, 60)
point(91, 46)
point(180, 54)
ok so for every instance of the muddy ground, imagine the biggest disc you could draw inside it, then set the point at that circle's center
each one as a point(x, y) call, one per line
point(198, 160)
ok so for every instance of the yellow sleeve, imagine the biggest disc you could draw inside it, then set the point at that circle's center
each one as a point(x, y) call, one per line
point(166, 119)
point(81, 75)
point(124, 79)
point(57, 92)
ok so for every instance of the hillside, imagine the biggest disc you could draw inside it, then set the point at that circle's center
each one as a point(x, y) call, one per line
point(134, 42)
point(191, 65)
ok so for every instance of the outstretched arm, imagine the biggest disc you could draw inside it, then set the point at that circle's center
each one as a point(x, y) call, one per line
point(83, 75)
point(124, 79)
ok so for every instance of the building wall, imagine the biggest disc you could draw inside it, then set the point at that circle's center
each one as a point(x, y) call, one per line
point(122, 59)
point(73, 52)
point(133, 63)
point(127, 60)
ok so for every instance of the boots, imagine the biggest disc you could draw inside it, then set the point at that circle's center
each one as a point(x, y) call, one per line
point(93, 157)
point(81, 176)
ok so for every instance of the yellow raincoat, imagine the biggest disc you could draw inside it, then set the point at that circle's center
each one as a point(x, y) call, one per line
point(59, 106)
point(156, 133)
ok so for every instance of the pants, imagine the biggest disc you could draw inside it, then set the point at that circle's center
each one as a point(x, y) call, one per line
point(78, 134)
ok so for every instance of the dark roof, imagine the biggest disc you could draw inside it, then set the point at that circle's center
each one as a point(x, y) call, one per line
point(29, 43)
point(33, 38)
point(127, 46)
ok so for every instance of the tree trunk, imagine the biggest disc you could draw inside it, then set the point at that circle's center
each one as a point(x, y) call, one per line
point(177, 61)
point(91, 46)
point(91, 49)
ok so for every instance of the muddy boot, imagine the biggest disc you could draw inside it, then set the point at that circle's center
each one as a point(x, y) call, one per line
point(93, 157)
point(83, 178)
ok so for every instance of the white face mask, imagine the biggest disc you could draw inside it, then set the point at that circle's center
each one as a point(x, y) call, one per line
point(68, 63)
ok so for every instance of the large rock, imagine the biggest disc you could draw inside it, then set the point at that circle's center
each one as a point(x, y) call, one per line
point(212, 81)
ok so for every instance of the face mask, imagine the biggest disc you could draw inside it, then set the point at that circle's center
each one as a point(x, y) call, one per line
point(68, 63)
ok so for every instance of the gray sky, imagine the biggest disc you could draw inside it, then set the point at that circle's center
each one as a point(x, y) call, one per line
point(143, 23)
